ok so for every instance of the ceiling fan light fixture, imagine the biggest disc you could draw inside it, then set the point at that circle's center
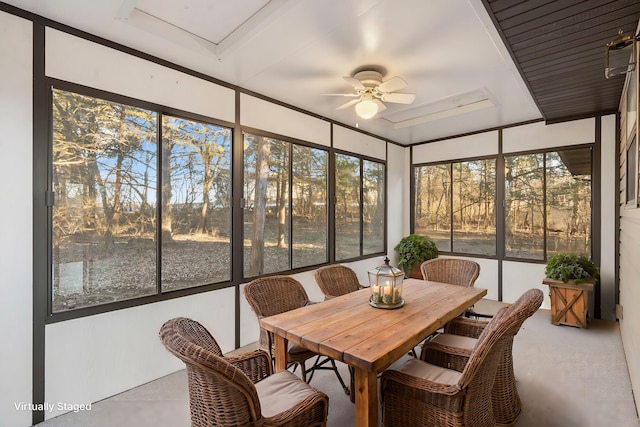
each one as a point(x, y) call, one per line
point(366, 109)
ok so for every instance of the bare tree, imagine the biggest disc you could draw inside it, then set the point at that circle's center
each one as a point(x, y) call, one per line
point(256, 262)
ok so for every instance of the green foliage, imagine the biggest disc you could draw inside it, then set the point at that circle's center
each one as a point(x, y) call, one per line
point(414, 249)
point(563, 266)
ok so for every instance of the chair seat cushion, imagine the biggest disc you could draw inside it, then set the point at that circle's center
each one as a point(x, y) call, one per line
point(452, 340)
point(295, 349)
point(429, 372)
point(281, 391)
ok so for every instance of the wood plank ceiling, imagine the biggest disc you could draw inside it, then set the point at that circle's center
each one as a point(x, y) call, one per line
point(559, 48)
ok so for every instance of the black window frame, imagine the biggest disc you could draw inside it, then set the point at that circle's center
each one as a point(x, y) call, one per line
point(291, 141)
point(44, 158)
point(450, 164)
point(500, 199)
point(333, 203)
point(543, 152)
point(160, 110)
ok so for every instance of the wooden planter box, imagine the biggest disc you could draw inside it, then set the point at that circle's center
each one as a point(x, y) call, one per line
point(569, 302)
point(415, 271)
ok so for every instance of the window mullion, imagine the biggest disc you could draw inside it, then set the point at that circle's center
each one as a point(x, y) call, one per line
point(159, 204)
point(290, 203)
point(451, 212)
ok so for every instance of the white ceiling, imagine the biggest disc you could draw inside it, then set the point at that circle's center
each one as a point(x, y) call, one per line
point(295, 51)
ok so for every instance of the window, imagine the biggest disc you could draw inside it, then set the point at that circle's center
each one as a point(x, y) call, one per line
point(548, 202)
point(568, 196)
point(142, 203)
point(285, 212)
point(524, 206)
point(372, 207)
point(474, 207)
point(196, 196)
point(631, 174)
point(455, 205)
point(309, 231)
point(433, 203)
point(106, 219)
point(359, 209)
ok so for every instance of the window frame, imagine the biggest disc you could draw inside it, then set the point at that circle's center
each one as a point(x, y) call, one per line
point(291, 142)
point(45, 210)
point(544, 152)
point(500, 193)
point(161, 111)
point(450, 164)
point(631, 172)
point(333, 202)
point(631, 135)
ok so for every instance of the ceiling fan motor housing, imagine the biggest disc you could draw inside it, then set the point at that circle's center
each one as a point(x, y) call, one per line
point(369, 78)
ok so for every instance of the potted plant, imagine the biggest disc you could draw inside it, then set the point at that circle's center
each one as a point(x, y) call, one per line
point(570, 279)
point(414, 249)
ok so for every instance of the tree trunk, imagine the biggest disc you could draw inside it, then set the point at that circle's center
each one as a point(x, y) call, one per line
point(282, 205)
point(256, 260)
point(167, 228)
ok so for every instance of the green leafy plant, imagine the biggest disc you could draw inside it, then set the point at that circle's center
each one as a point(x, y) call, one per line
point(563, 266)
point(414, 249)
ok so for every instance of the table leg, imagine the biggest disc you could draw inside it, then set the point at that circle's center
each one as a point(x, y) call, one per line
point(366, 391)
point(281, 352)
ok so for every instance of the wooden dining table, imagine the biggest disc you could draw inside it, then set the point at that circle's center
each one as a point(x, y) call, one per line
point(369, 339)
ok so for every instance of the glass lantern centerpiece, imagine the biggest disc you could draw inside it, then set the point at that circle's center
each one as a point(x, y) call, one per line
point(385, 283)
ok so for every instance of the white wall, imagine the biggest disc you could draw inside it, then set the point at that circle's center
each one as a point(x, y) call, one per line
point(608, 202)
point(80, 61)
point(518, 277)
point(359, 143)
point(398, 209)
point(629, 284)
point(478, 145)
point(630, 292)
point(16, 190)
point(91, 358)
point(538, 136)
point(266, 116)
point(488, 277)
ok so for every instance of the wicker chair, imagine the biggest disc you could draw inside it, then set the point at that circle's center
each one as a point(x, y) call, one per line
point(455, 346)
point(239, 391)
point(335, 280)
point(268, 296)
point(425, 393)
point(456, 271)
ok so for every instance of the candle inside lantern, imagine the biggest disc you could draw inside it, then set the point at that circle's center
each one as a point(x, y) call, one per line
point(386, 286)
point(388, 293)
point(375, 293)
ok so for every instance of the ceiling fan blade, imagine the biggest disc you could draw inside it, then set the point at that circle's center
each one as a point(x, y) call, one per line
point(348, 104)
point(357, 84)
point(350, 95)
point(381, 106)
point(393, 84)
point(399, 98)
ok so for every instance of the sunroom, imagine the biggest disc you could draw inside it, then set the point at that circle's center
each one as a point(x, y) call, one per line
point(161, 155)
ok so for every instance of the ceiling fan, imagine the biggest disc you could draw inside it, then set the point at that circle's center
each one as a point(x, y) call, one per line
point(371, 93)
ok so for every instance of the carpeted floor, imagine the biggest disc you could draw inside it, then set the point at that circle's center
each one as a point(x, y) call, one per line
point(566, 377)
